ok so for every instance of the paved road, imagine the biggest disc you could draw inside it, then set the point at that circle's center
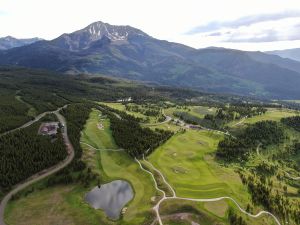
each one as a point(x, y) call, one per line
point(37, 118)
point(168, 119)
point(44, 173)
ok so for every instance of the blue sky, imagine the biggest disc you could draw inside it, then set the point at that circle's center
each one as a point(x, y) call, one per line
point(244, 24)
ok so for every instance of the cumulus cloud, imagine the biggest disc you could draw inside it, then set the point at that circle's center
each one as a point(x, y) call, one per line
point(243, 21)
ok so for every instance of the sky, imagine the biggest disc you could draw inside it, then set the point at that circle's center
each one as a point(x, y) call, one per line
point(254, 25)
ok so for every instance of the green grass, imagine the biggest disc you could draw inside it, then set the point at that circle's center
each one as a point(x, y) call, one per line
point(61, 205)
point(118, 165)
point(209, 213)
point(121, 107)
point(198, 111)
point(271, 114)
point(187, 161)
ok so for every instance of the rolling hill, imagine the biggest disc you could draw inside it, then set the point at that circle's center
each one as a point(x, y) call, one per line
point(127, 52)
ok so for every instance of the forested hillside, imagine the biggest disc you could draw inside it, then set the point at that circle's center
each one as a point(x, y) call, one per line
point(262, 133)
point(24, 153)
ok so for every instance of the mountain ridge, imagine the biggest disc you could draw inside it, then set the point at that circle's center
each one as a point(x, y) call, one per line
point(127, 52)
point(293, 53)
point(9, 42)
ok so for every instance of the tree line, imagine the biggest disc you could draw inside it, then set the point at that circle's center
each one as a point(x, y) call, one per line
point(76, 116)
point(262, 133)
point(129, 135)
point(223, 115)
point(262, 193)
point(293, 122)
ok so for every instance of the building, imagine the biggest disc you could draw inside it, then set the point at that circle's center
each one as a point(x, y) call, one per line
point(49, 128)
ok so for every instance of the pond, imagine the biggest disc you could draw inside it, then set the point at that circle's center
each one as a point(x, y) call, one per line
point(110, 197)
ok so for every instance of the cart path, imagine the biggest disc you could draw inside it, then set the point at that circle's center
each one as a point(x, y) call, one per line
point(157, 206)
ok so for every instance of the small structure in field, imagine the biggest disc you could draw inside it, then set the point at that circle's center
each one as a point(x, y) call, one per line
point(125, 100)
point(194, 127)
point(49, 128)
point(100, 126)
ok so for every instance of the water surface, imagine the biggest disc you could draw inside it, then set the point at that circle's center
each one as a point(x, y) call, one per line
point(110, 197)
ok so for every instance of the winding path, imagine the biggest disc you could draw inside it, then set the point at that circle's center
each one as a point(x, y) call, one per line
point(257, 149)
point(289, 176)
point(157, 206)
point(47, 172)
point(240, 122)
point(168, 119)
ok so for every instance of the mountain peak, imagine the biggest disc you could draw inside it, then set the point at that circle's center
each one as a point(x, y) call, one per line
point(84, 38)
point(113, 32)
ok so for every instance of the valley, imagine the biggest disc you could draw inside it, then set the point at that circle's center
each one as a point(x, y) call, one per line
point(203, 188)
point(149, 113)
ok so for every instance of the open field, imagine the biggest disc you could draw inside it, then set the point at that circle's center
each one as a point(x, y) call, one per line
point(198, 111)
point(121, 107)
point(271, 114)
point(165, 126)
point(61, 205)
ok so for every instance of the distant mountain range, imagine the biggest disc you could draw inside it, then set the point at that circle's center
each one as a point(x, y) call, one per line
point(124, 51)
point(287, 53)
point(11, 42)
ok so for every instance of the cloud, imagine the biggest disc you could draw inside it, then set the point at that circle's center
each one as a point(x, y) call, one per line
point(270, 36)
point(215, 34)
point(265, 36)
point(218, 34)
point(243, 21)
